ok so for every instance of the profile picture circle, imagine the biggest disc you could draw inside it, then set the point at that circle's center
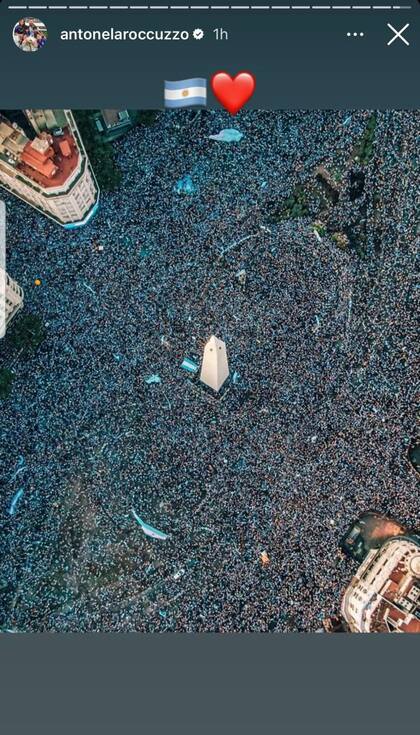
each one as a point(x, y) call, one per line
point(30, 34)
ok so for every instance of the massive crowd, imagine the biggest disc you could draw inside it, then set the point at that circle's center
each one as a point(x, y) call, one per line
point(314, 430)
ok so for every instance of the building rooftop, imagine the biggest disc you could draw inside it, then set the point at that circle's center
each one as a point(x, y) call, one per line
point(50, 160)
point(384, 596)
point(12, 140)
point(115, 118)
point(47, 160)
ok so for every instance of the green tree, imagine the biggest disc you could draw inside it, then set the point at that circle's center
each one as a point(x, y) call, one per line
point(27, 333)
point(101, 154)
point(143, 117)
point(6, 381)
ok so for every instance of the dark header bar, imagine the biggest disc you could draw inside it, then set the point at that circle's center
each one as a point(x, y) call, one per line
point(303, 56)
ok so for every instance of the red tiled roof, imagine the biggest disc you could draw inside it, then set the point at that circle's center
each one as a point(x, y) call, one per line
point(65, 148)
point(39, 161)
point(55, 165)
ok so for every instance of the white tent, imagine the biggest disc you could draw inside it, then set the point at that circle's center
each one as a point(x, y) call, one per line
point(215, 368)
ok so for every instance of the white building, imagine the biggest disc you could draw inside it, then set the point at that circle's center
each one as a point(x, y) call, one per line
point(11, 300)
point(52, 172)
point(384, 595)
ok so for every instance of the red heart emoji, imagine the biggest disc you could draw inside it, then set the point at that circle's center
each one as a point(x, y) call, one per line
point(233, 93)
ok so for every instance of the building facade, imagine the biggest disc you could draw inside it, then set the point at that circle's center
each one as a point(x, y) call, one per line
point(384, 595)
point(11, 300)
point(52, 172)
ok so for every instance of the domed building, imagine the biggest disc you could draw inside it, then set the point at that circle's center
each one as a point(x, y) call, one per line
point(50, 170)
point(384, 595)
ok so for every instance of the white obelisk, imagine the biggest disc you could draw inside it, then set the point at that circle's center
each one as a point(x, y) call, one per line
point(215, 368)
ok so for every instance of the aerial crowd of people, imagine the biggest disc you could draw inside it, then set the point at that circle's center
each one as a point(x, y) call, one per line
point(256, 485)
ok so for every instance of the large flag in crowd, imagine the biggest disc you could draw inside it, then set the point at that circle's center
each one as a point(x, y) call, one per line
point(149, 530)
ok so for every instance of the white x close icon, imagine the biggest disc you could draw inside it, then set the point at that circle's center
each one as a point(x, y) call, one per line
point(398, 34)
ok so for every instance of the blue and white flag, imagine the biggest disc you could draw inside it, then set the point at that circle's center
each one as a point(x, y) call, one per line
point(149, 530)
point(15, 500)
point(186, 93)
point(189, 365)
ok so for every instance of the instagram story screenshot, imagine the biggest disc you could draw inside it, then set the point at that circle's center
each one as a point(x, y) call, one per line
point(209, 368)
